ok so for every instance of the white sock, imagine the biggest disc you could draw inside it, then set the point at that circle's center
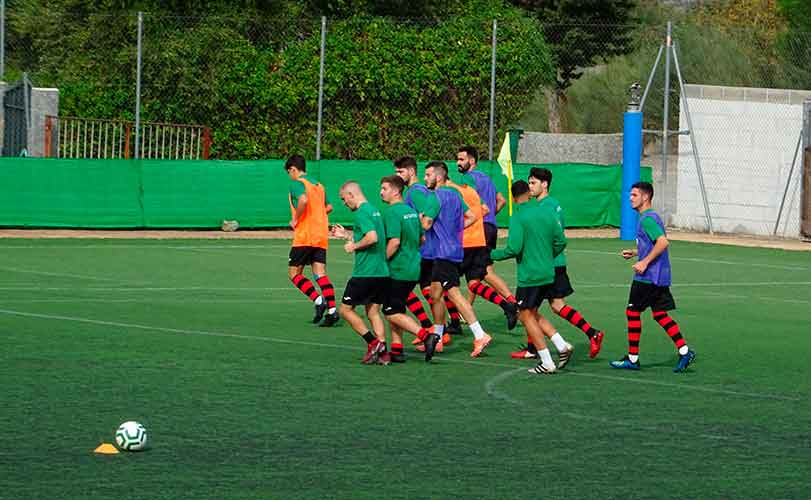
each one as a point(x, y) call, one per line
point(546, 358)
point(634, 358)
point(560, 343)
point(683, 350)
point(478, 331)
point(439, 330)
point(319, 300)
point(331, 310)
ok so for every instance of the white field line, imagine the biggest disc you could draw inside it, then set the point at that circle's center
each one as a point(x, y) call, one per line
point(62, 275)
point(703, 261)
point(709, 390)
point(491, 386)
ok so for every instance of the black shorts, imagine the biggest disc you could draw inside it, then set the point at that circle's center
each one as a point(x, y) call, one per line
point(303, 256)
point(362, 291)
point(474, 265)
point(561, 287)
point(446, 273)
point(645, 295)
point(491, 236)
point(426, 268)
point(531, 297)
point(396, 296)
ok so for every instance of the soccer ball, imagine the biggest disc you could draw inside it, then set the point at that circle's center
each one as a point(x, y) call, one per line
point(130, 436)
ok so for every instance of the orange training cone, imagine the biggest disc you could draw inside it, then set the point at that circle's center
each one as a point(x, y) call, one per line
point(106, 449)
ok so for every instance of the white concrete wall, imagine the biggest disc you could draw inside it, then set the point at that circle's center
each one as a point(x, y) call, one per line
point(746, 140)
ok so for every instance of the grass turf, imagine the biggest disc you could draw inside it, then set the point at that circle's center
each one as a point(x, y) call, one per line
point(209, 345)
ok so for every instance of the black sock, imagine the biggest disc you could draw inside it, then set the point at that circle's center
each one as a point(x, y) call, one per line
point(369, 337)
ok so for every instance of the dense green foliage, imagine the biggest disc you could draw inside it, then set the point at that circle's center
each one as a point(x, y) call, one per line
point(391, 86)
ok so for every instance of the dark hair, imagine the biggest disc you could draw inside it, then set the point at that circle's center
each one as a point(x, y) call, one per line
point(542, 174)
point(395, 181)
point(439, 165)
point(470, 150)
point(645, 187)
point(405, 162)
point(519, 187)
point(296, 161)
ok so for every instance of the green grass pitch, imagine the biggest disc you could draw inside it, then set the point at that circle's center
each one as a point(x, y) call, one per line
point(210, 347)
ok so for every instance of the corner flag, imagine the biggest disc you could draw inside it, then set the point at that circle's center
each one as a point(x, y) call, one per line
point(506, 162)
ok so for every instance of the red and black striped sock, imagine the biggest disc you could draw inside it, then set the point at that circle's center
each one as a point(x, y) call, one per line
point(572, 316)
point(670, 326)
point(306, 286)
point(426, 292)
point(634, 331)
point(511, 299)
point(453, 312)
point(415, 306)
point(327, 290)
point(487, 292)
point(397, 349)
point(425, 332)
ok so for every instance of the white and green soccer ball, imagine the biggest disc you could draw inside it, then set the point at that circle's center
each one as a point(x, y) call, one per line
point(131, 436)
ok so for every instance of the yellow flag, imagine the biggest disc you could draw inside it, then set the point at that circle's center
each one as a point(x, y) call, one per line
point(506, 162)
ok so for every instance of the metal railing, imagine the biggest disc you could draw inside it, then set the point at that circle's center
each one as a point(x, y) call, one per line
point(70, 137)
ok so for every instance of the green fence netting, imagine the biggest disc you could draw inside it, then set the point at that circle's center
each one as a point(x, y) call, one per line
point(49, 192)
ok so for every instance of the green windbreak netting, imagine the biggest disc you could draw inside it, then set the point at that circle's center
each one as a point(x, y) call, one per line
point(201, 194)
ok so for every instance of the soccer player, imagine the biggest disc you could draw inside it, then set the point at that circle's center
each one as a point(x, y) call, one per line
point(309, 208)
point(521, 195)
point(467, 158)
point(540, 180)
point(651, 284)
point(477, 255)
point(403, 233)
point(423, 200)
point(370, 274)
point(444, 241)
point(535, 239)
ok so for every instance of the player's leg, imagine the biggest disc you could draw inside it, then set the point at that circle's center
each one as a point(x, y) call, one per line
point(480, 338)
point(561, 288)
point(379, 329)
point(529, 318)
point(355, 294)
point(319, 268)
point(662, 303)
point(565, 349)
point(475, 273)
point(495, 281)
point(638, 300)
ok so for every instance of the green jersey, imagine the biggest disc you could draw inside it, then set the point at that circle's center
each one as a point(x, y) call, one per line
point(370, 262)
point(535, 239)
point(554, 204)
point(403, 223)
point(297, 189)
point(421, 199)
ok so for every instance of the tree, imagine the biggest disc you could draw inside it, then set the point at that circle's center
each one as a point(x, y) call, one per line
point(581, 33)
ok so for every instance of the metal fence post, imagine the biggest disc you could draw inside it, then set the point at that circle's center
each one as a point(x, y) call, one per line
point(493, 92)
point(321, 88)
point(138, 88)
point(665, 119)
point(2, 39)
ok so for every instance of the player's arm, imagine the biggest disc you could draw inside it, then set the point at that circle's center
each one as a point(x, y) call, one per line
point(485, 209)
point(515, 243)
point(426, 222)
point(500, 202)
point(369, 239)
point(301, 207)
point(558, 240)
point(391, 247)
point(627, 253)
point(329, 208)
point(470, 217)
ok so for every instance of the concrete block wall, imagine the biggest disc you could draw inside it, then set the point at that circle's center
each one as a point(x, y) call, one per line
point(540, 147)
point(746, 140)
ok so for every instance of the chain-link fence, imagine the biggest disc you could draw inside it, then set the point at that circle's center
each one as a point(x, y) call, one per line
point(375, 88)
